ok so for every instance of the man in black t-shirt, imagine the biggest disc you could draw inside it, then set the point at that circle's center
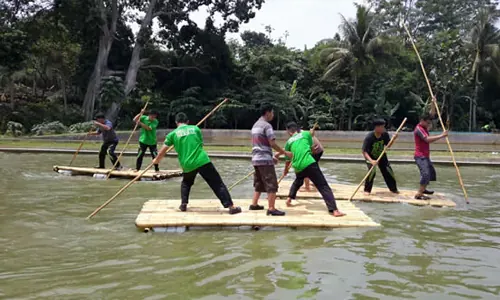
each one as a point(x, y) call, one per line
point(373, 146)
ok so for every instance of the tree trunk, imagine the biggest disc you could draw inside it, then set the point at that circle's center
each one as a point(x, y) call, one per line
point(476, 99)
point(101, 64)
point(354, 90)
point(142, 38)
point(65, 97)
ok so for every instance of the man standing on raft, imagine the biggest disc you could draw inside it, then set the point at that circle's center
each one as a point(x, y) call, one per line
point(305, 166)
point(263, 143)
point(147, 138)
point(317, 152)
point(109, 139)
point(422, 155)
point(188, 143)
point(373, 146)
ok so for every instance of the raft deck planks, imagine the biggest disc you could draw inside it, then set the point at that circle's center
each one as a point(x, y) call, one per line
point(381, 195)
point(209, 213)
point(151, 174)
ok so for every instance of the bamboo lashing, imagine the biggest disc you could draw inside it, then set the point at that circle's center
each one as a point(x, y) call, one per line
point(81, 145)
point(379, 158)
point(149, 167)
point(459, 175)
point(290, 165)
point(128, 141)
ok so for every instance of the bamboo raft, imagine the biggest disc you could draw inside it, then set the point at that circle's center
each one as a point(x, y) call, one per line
point(380, 195)
point(128, 174)
point(159, 215)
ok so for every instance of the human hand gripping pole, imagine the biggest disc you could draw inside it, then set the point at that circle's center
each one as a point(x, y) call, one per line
point(394, 137)
point(129, 138)
point(150, 166)
point(459, 175)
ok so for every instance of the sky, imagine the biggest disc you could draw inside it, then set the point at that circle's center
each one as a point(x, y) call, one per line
point(307, 21)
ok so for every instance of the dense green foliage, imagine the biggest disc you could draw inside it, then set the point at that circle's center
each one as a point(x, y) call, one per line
point(65, 60)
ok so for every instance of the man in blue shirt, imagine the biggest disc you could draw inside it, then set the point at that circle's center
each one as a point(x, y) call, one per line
point(109, 138)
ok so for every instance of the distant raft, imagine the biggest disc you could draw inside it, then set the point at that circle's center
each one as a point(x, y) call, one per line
point(126, 174)
point(381, 195)
point(164, 215)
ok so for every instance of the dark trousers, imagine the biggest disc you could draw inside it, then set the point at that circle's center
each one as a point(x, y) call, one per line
point(142, 151)
point(387, 173)
point(313, 172)
point(109, 148)
point(213, 179)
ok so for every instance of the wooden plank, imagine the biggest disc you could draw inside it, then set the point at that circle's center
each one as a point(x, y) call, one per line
point(209, 213)
point(380, 195)
point(129, 174)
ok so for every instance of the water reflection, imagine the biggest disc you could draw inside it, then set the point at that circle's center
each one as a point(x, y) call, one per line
point(50, 250)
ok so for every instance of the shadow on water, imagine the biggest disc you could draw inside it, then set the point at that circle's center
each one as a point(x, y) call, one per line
point(51, 252)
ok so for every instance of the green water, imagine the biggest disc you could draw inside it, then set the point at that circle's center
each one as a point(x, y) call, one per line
point(49, 250)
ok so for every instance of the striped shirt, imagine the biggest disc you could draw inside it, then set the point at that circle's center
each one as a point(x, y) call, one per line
point(262, 153)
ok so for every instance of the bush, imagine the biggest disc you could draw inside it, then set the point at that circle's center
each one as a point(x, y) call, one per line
point(55, 127)
point(81, 127)
point(14, 129)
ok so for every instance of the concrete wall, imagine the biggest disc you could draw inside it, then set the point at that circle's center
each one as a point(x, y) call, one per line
point(341, 139)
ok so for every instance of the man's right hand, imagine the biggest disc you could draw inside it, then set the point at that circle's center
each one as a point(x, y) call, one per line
point(373, 162)
point(445, 133)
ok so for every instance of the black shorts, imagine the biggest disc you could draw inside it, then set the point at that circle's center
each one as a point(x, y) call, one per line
point(317, 156)
point(427, 171)
point(264, 179)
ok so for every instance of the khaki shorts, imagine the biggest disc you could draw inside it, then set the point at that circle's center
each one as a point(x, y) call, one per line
point(264, 179)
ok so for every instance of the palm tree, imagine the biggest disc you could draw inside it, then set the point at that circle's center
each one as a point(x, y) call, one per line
point(484, 39)
point(356, 52)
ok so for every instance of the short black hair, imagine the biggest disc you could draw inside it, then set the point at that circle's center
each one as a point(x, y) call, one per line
point(426, 117)
point(181, 118)
point(100, 116)
point(378, 122)
point(265, 108)
point(292, 126)
point(153, 112)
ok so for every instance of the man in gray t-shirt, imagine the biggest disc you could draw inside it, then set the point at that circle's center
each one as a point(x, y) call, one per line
point(263, 143)
point(109, 138)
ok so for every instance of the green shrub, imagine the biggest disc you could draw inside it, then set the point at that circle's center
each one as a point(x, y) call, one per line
point(55, 127)
point(81, 127)
point(14, 129)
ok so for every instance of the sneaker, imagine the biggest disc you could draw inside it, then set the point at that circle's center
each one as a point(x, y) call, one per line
point(234, 210)
point(275, 212)
point(422, 197)
point(427, 192)
point(256, 207)
point(118, 168)
point(183, 207)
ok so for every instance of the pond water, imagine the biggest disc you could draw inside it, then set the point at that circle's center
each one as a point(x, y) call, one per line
point(49, 250)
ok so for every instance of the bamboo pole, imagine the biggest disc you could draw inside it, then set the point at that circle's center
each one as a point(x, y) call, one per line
point(439, 114)
point(81, 145)
point(379, 158)
point(149, 167)
point(241, 180)
point(128, 141)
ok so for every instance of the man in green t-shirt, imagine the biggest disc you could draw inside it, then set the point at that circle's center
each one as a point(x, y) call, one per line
point(147, 138)
point(188, 143)
point(300, 144)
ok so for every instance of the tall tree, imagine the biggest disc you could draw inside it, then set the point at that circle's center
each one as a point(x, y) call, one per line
point(357, 51)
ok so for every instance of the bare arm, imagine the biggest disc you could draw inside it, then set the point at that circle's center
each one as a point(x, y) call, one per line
point(146, 127)
point(102, 126)
point(287, 167)
point(434, 138)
